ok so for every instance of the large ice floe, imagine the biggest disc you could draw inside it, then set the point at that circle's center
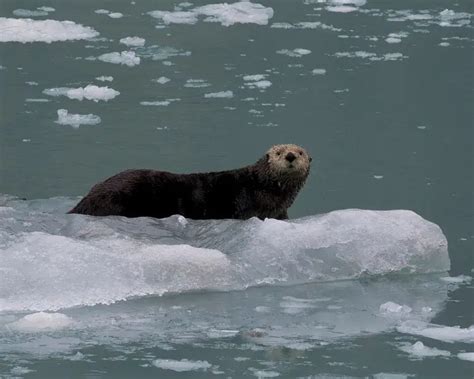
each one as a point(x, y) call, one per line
point(242, 12)
point(64, 279)
point(28, 30)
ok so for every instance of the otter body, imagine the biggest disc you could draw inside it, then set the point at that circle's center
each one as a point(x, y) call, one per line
point(265, 190)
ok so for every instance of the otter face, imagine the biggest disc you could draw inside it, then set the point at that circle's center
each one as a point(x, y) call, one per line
point(289, 159)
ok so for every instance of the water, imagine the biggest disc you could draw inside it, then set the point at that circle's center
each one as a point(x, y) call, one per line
point(381, 96)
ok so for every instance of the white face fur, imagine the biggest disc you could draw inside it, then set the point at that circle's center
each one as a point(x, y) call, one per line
point(289, 158)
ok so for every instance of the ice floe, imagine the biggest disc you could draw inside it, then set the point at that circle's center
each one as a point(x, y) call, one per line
point(392, 309)
point(242, 12)
point(222, 94)
point(76, 120)
point(196, 83)
point(28, 30)
point(133, 41)
point(128, 58)
point(115, 15)
point(418, 350)
point(257, 81)
point(161, 80)
point(105, 78)
point(305, 25)
point(295, 53)
point(158, 53)
point(461, 279)
point(438, 332)
point(466, 356)
point(41, 321)
point(90, 92)
point(181, 365)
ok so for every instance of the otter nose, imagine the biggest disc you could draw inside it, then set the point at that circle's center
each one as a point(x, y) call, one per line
point(290, 157)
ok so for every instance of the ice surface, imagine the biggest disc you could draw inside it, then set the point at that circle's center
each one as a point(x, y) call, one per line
point(53, 261)
point(41, 321)
point(28, 30)
point(222, 94)
point(182, 365)
point(76, 120)
point(296, 53)
point(133, 41)
point(438, 332)
point(466, 356)
point(418, 350)
point(128, 58)
point(90, 92)
point(242, 12)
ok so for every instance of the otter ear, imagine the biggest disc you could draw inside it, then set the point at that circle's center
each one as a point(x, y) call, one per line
point(267, 156)
point(310, 159)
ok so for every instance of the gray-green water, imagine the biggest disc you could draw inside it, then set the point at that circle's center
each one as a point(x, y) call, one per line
point(381, 96)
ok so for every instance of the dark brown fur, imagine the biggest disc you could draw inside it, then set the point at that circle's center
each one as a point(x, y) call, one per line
point(258, 190)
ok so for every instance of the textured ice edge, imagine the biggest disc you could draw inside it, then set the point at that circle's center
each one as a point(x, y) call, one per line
point(53, 261)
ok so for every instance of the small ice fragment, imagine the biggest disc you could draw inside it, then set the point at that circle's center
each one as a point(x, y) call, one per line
point(341, 9)
point(222, 94)
point(92, 92)
point(457, 279)
point(419, 350)
point(295, 53)
point(378, 176)
point(164, 103)
point(133, 41)
point(29, 100)
point(102, 11)
point(319, 71)
point(196, 83)
point(254, 77)
point(391, 308)
point(46, 9)
point(28, 13)
point(261, 84)
point(444, 44)
point(161, 80)
point(32, 83)
point(26, 140)
point(262, 309)
point(264, 373)
point(105, 78)
point(41, 321)
point(421, 127)
point(393, 40)
point(128, 58)
point(115, 15)
point(76, 120)
point(20, 371)
point(466, 356)
point(182, 365)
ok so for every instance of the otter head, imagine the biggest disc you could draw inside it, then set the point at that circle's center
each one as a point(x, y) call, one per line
point(291, 161)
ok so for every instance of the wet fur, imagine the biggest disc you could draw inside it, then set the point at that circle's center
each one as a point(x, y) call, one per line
point(262, 190)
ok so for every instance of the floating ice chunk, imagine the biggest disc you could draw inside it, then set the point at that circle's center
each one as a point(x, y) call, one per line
point(390, 375)
point(451, 18)
point(163, 103)
point(20, 371)
point(296, 53)
point(357, 3)
point(355, 54)
point(30, 100)
point(466, 356)
point(161, 80)
point(222, 94)
point(127, 58)
point(319, 71)
point(31, 83)
point(102, 11)
point(393, 40)
point(196, 83)
point(105, 78)
point(41, 321)
point(341, 9)
point(28, 30)
point(264, 373)
point(175, 17)
point(115, 15)
point(76, 120)
point(305, 25)
point(393, 56)
point(465, 279)
point(254, 77)
point(242, 12)
point(133, 41)
point(438, 332)
point(261, 84)
point(90, 92)
point(158, 53)
point(46, 9)
point(28, 13)
point(182, 365)
point(418, 350)
point(391, 308)
point(444, 44)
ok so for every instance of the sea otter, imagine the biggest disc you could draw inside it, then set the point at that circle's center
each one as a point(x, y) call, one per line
point(265, 189)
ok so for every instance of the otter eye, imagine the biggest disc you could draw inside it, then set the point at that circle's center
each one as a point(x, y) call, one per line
point(278, 153)
point(301, 153)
